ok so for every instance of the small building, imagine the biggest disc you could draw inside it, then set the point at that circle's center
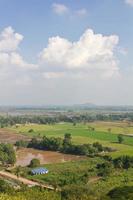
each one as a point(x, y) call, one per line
point(39, 171)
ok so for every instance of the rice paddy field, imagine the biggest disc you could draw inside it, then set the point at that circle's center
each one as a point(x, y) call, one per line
point(104, 132)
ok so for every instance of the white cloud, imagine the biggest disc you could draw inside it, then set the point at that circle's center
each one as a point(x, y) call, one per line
point(129, 2)
point(12, 64)
point(60, 9)
point(82, 12)
point(13, 59)
point(71, 72)
point(17, 60)
point(9, 40)
point(92, 53)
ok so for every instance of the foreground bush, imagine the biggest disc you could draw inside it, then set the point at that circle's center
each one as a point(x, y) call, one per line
point(122, 193)
point(31, 194)
point(7, 154)
point(77, 192)
point(8, 197)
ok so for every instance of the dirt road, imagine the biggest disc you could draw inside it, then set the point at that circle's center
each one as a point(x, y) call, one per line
point(25, 181)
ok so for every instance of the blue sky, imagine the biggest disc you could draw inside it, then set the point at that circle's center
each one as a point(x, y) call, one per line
point(39, 20)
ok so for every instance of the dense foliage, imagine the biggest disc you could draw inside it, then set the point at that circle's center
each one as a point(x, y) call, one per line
point(122, 162)
point(7, 154)
point(64, 145)
point(122, 193)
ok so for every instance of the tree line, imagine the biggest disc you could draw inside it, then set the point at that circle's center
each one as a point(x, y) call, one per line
point(67, 117)
point(64, 145)
point(121, 162)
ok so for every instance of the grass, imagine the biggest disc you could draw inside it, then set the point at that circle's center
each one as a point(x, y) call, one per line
point(82, 134)
point(58, 130)
point(117, 178)
point(116, 127)
point(66, 173)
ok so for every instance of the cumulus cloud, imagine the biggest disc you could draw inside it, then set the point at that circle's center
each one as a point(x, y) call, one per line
point(91, 53)
point(9, 40)
point(17, 60)
point(60, 9)
point(11, 62)
point(129, 2)
point(71, 72)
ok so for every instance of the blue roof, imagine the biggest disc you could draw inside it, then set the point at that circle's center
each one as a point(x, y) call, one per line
point(39, 171)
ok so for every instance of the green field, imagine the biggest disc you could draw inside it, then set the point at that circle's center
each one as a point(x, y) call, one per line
point(63, 174)
point(84, 172)
point(116, 127)
point(81, 133)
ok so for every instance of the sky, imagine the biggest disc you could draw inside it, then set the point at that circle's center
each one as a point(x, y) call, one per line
point(66, 52)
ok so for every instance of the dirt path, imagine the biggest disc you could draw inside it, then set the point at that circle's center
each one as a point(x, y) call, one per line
point(24, 180)
point(94, 179)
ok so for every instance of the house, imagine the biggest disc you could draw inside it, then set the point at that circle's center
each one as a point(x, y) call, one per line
point(39, 171)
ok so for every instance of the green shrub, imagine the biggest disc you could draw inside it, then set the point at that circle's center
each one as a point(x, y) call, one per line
point(34, 163)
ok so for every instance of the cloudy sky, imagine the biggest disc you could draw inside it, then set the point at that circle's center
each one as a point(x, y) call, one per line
point(66, 52)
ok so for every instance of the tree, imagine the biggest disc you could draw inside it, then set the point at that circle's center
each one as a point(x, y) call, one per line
point(21, 143)
point(34, 163)
point(98, 146)
point(104, 169)
point(7, 154)
point(34, 143)
point(118, 163)
point(124, 162)
point(107, 158)
point(67, 138)
point(11, 154)
point(120, 139)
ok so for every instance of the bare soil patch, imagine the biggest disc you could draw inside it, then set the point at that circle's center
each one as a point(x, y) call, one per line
point(7, 136)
